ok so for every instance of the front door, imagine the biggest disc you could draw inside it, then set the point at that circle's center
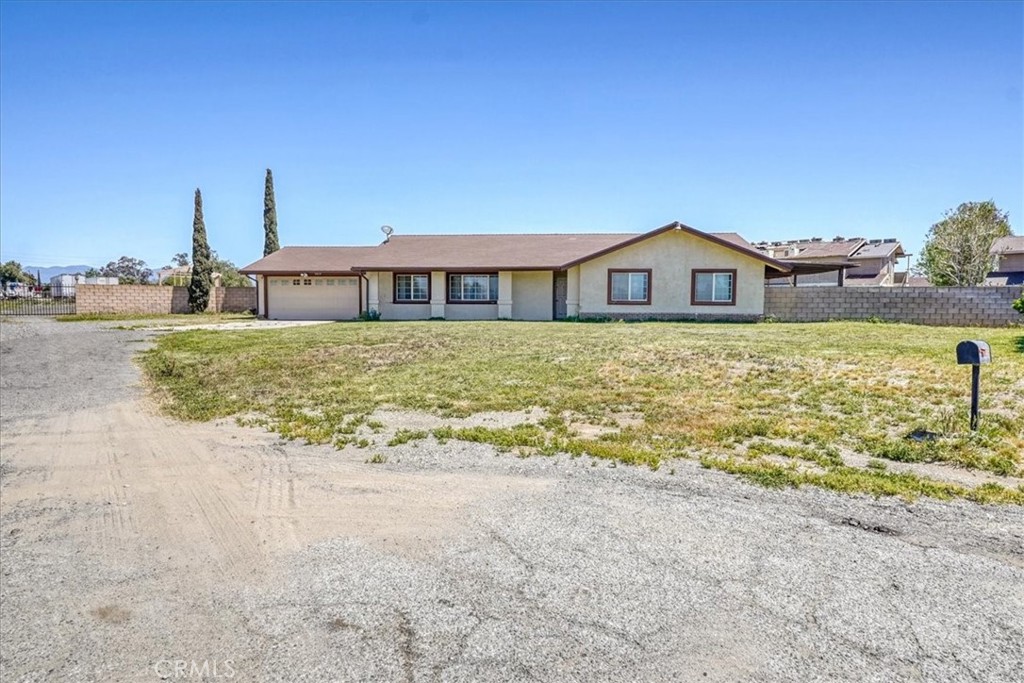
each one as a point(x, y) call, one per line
point(561, 293)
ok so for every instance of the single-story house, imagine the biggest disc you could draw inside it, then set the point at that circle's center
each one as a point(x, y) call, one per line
point(672, 272)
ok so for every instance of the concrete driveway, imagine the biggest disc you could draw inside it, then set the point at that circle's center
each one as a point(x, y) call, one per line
point(134, 547)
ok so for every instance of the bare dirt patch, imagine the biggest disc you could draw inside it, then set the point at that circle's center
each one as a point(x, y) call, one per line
point(128, 539)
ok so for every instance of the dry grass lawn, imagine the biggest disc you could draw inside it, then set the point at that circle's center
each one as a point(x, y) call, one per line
point(781, 404)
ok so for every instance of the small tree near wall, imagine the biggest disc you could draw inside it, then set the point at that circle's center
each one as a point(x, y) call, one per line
point(202, 267)
point(956, 251)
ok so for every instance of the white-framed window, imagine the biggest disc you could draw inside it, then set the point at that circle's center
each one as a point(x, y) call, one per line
point(307, 282)
point(629, 286)
point(713, 287)
point(472, 288)
point(296, 282)
point(318, 282)
point(412, 287)
point(330, 282)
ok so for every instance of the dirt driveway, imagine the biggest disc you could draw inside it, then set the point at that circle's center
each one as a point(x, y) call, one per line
point(133, 547)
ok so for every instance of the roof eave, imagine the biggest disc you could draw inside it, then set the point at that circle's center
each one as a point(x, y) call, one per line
point(676, 225)
point(451, 268)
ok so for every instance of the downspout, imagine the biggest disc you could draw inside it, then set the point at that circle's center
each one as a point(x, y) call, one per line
point(362, 276)
point(256, 284)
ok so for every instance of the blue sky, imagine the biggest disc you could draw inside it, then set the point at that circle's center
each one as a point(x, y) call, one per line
point(773, 120)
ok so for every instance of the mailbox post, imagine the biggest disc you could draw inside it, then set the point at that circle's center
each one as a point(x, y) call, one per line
point(974, 353)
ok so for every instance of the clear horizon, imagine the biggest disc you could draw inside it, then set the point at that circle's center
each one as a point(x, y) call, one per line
point(774, 120)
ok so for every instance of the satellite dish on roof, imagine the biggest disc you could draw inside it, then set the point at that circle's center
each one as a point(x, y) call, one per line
point(387, 230)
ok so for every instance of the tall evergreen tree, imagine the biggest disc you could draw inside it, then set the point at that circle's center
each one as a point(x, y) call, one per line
point(270, 243)
point(202, 267)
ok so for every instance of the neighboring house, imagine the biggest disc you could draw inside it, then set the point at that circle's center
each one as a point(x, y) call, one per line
point(673, 272)
point(63, 286)
point(1007, 262)
point(864, 262)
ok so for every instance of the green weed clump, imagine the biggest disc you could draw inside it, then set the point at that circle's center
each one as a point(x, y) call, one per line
point(779, 402)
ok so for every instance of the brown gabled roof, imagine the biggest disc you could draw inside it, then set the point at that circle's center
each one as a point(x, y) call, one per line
point(492, 252)
point(733, 237)
point(833, 249)
point(479, 252)
point(288, 260)
point(880, 249)
point(1011, 244)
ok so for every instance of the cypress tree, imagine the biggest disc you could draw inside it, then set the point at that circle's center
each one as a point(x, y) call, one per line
point(202, 267)
point(270, 244)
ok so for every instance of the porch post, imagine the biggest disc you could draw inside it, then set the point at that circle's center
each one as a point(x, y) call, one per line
point(438, 293)
point(504, 295)
point(572, 292)
point(372, 292)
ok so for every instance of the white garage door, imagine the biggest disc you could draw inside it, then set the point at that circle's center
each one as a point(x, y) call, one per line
point(313, 298)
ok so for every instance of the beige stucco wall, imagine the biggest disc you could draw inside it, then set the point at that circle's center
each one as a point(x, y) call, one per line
point(868, 266)
point(1011, 263)
point(532, 295)
point(672, 256)
point(471, 312)
point(392, 311)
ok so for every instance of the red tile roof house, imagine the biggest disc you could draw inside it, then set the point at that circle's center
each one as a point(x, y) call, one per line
point(674, 272)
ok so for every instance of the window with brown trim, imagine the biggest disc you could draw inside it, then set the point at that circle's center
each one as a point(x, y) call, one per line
point(710, 287)
point(629, 286)
point(411, 288)
point(472, 288)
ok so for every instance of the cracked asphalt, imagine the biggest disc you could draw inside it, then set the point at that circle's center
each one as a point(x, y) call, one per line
point(134, 548)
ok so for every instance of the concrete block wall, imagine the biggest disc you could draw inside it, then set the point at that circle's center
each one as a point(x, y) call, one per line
point(231, 299)
point(158, 300)
point(956, 306)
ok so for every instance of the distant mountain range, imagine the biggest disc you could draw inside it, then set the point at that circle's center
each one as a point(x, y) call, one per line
point(49, 271)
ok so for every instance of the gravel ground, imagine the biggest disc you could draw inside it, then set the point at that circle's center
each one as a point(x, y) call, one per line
point(133, 547)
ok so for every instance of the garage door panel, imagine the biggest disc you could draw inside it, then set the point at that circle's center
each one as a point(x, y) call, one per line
point(316, 298)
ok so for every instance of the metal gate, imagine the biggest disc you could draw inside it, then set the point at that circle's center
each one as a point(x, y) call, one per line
point(38, 301)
